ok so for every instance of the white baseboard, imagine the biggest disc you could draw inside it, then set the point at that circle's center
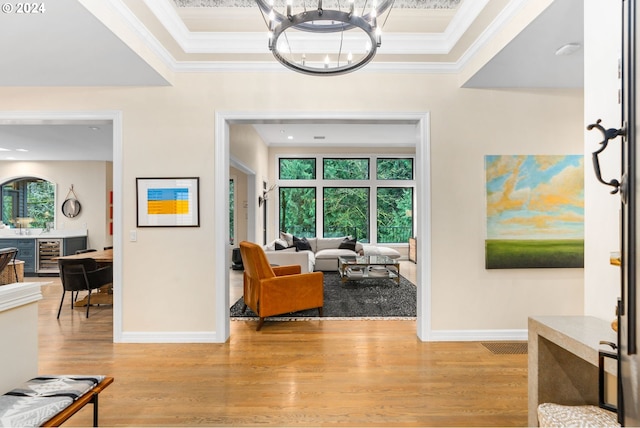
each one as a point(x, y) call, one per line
point(476, 335)
point(170, 337)
point(211, 336)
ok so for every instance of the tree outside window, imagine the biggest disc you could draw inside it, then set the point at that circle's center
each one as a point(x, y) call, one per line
point(297, 169)
point(298, 211)
point(345, 169)
point(395, 214)
point(394, 169)
point(346, 212)
point(28, 198)
point(347, 189)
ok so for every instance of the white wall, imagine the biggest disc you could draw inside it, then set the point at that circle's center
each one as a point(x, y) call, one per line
point(18, 333)
point(170, 132)
point(247, 147)
point(602, 210)
point(91, 183)
point(240, 206)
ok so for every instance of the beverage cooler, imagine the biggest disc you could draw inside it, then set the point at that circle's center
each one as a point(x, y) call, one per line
point(47, 251)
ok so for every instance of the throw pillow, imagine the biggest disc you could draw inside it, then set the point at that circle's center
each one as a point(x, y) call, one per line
point(287, 237)
point(348, 244)
point(271, 246)
point(301, 244)
point(279, 246)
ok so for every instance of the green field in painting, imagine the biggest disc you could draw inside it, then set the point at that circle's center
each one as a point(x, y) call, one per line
point(538, 253)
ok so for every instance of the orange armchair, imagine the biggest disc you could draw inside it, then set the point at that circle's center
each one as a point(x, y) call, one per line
point(277, 290)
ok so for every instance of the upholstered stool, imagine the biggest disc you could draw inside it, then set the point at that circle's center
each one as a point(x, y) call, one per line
point(557, 415)
point(51, 400)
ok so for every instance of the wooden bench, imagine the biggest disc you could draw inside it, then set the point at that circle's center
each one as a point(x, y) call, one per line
point(51, 400)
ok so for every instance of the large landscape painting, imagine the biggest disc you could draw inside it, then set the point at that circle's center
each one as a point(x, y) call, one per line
point(535, 211)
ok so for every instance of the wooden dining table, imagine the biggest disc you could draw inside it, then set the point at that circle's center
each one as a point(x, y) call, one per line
point(102, 256)
point(104, 295)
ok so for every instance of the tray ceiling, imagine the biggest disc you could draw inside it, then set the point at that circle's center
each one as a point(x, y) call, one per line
point(400, 4)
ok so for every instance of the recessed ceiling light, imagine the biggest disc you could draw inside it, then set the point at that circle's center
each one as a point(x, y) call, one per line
point(94, 128)
point(2, 149)
point(22, 150)
point(290, 137)
point(10, 158)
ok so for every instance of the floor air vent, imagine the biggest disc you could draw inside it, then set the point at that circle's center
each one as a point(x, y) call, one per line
point(506, 348)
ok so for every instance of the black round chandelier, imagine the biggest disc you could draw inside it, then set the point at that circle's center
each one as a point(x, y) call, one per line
point(324, 42)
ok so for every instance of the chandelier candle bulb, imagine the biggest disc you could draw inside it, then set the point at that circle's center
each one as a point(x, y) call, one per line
point(299, 31)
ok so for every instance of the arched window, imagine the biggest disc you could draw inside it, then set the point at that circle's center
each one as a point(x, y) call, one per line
point(28, 202)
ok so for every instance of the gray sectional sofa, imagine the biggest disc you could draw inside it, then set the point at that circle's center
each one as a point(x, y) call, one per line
point(322, 254)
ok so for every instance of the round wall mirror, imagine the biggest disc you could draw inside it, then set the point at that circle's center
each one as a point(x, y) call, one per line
point(71, 207)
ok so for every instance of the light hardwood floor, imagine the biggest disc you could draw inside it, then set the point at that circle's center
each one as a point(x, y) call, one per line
point(309, 373)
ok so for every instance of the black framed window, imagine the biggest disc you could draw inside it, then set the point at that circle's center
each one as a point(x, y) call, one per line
point(345, 169)
point(297, 169)
point(346, 212)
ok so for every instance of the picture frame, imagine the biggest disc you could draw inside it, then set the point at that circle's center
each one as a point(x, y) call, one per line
point(535, 211)
point(168, 202)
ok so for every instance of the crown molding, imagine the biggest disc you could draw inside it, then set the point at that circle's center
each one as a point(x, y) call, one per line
point(440, 43)
point(276, 67)
point(408, 4)
point(496, 25)
point(394, 43)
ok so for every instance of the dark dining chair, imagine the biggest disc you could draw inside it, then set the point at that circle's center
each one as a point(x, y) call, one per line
point(7, 255)
point(82, 274)
point(86, 250)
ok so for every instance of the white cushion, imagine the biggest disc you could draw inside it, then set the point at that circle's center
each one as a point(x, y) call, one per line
point(287, 237)
point(557, 415)
point(328, 243)
point(271, 246)
point(334, 253)
point(375, 250)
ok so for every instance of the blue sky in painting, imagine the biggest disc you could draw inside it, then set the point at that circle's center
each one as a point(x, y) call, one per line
point(535, 197)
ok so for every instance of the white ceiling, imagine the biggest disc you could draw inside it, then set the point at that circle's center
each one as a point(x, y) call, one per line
point(529, 60)
point(68, 46)
point(57, 142)
point(342, 134)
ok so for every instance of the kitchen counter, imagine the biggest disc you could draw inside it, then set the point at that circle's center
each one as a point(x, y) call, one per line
point(39, 249)
point(38, 233)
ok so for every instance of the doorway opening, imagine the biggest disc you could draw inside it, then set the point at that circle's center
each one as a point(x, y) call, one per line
point(423, 202)
point(109, 146)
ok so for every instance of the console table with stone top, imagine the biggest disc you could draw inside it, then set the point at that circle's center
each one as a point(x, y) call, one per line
point(563, 360)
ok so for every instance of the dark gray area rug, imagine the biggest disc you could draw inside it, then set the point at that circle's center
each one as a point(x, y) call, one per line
point(367, 298)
